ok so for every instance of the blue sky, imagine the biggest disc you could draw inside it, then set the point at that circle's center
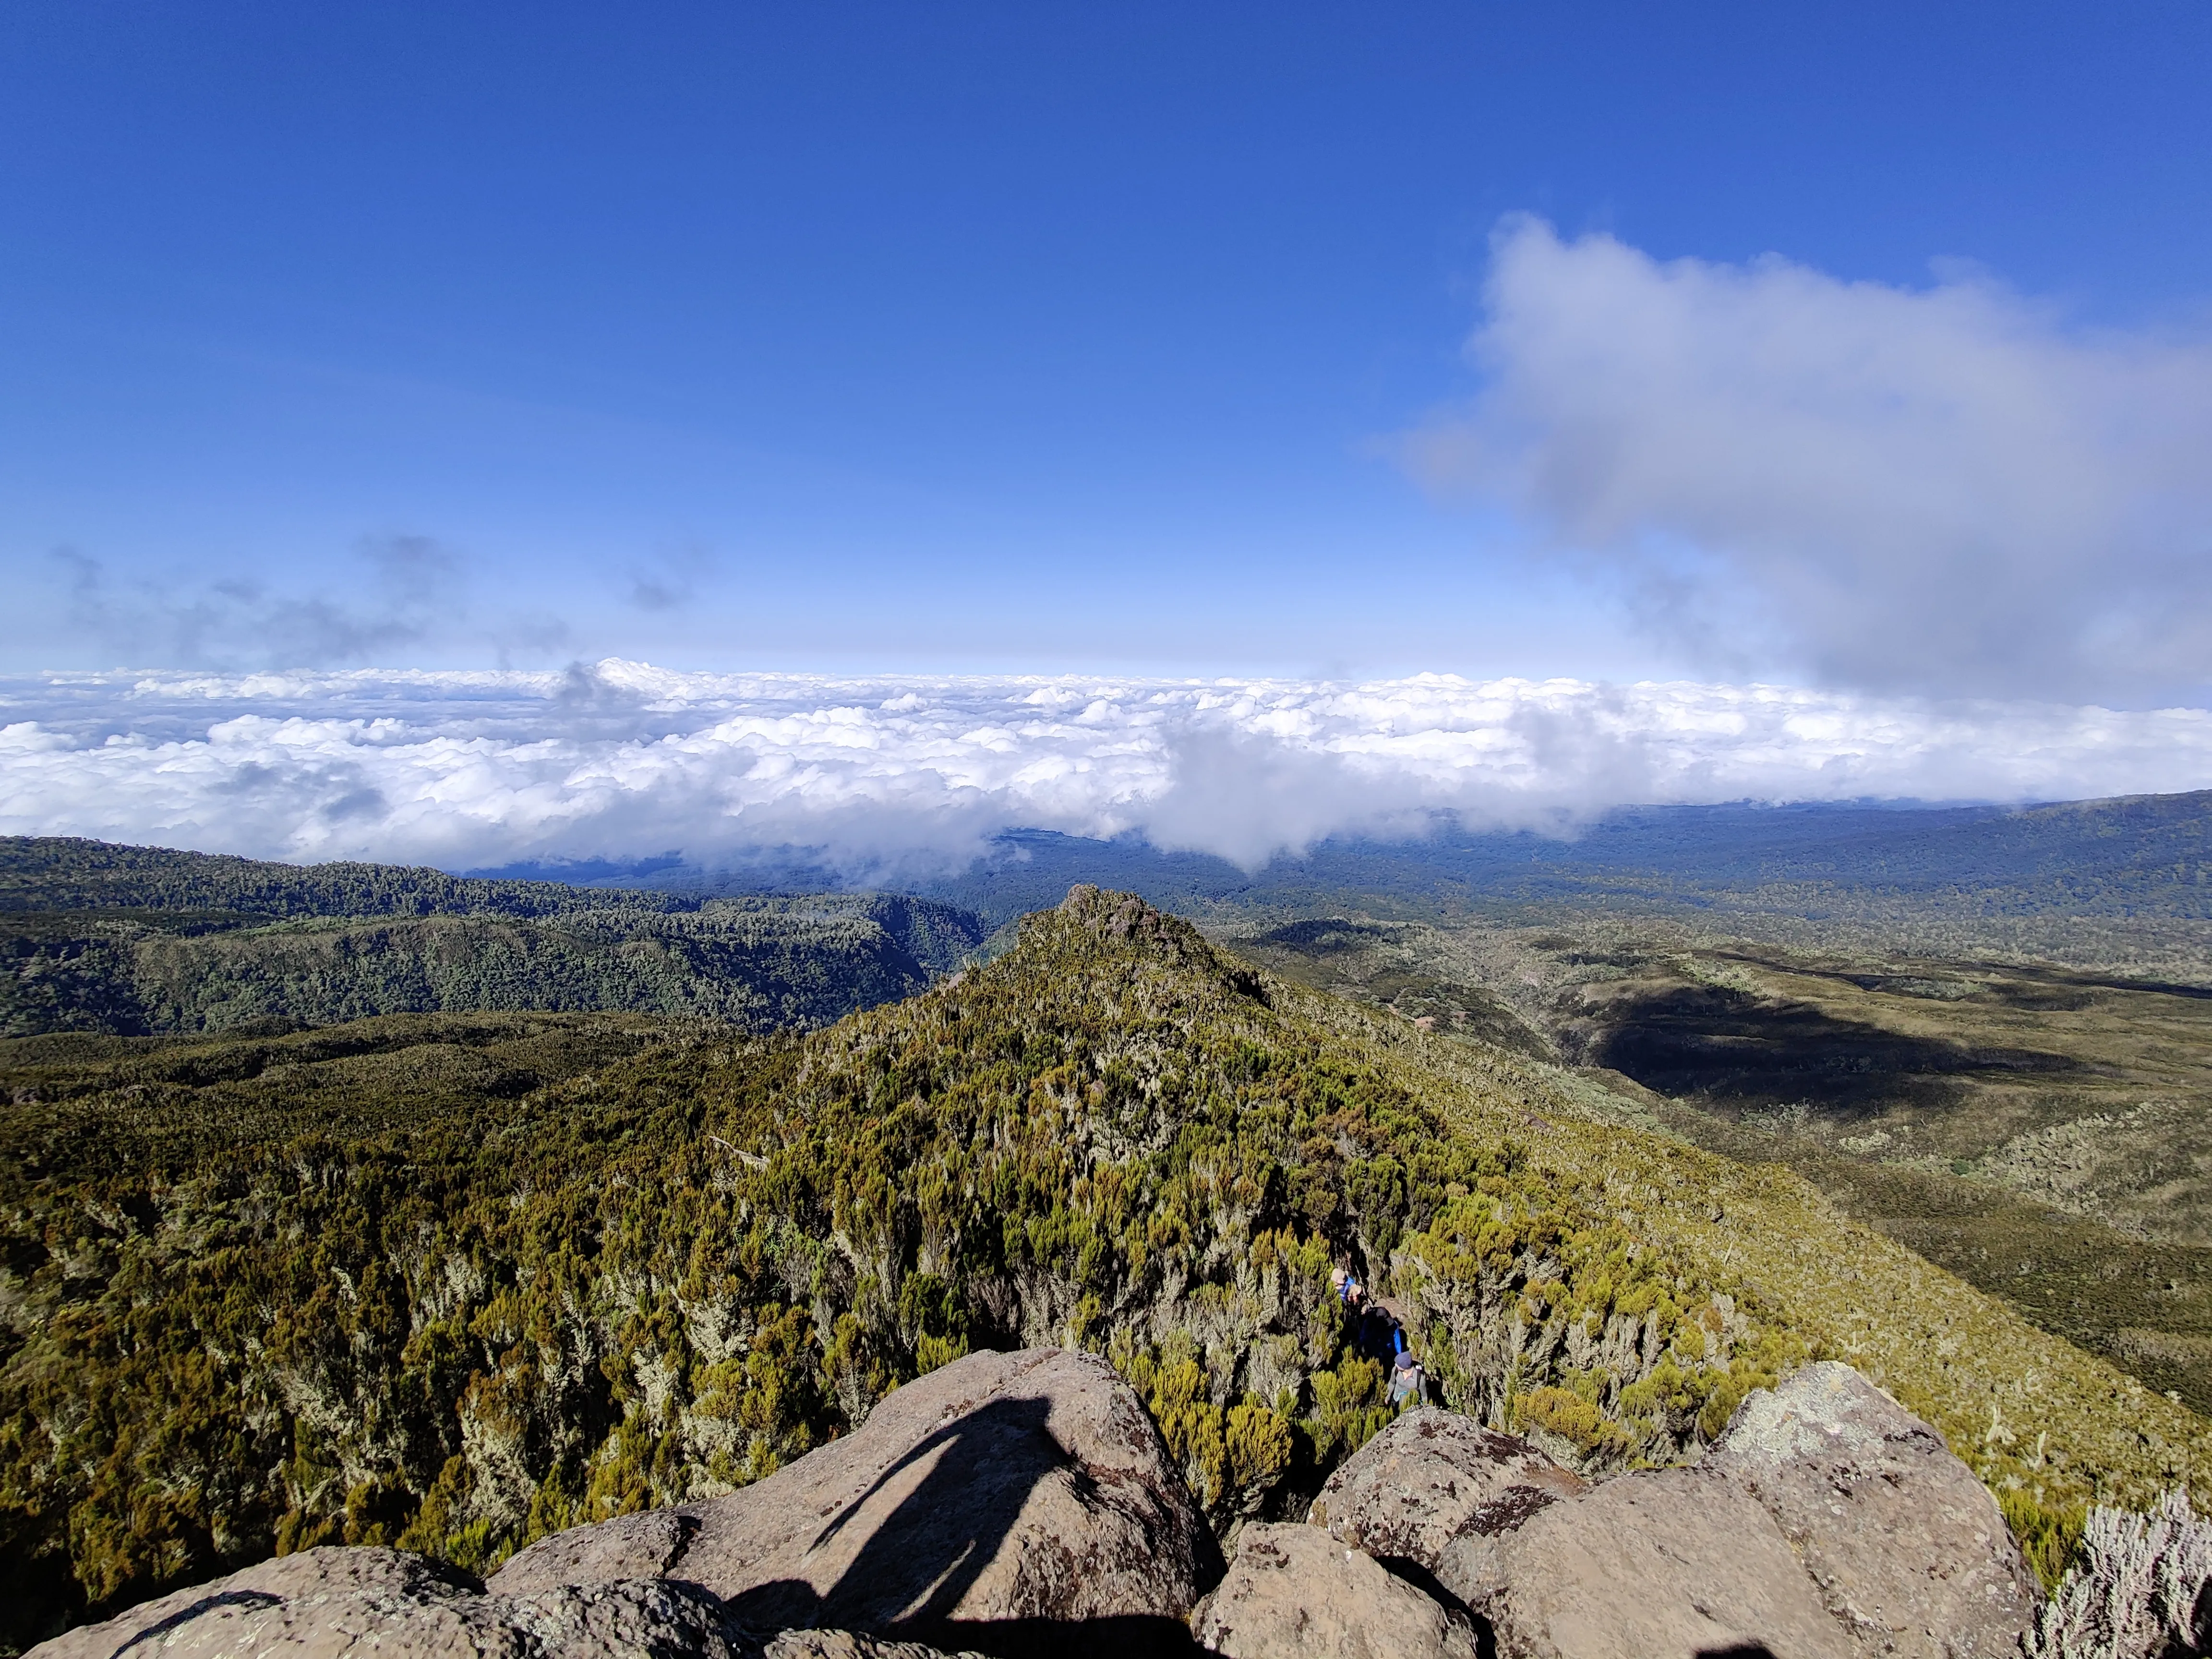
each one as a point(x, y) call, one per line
point(1107, 338)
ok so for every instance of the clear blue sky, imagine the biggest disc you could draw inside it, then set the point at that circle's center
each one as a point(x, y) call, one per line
point(1005, 336)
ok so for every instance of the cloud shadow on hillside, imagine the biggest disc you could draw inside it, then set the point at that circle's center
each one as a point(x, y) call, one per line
point(1722, 1045)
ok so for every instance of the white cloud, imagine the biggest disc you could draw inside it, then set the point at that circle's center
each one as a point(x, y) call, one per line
point(1944, 490)
point(623, 760)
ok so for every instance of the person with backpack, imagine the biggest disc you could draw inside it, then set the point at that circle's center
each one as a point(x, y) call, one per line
point(1409, 1382)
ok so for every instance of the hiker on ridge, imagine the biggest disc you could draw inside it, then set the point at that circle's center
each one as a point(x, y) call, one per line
point(1409, 1380)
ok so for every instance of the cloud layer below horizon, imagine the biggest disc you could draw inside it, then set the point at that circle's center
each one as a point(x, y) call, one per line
point(622, 760)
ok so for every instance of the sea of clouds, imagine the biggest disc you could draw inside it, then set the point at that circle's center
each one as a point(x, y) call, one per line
point(620, 761)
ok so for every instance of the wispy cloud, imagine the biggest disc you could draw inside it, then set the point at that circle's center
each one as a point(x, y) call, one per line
point(399, 591)
point(618, 760)
point(669, 580)
point(1946, 490)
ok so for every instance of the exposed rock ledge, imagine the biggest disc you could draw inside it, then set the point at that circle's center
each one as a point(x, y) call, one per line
point(1023, 1504)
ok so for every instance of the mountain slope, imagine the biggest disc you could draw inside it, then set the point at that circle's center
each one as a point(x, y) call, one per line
point(462, 1325)
point(2142, 858)
point(138, 940)
point(64, 873)
point(2037, 1131)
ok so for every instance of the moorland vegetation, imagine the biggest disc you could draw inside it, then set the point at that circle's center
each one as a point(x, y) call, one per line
point(261, 1292)
point(2031, 1128)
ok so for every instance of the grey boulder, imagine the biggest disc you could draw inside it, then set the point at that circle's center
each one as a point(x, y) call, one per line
point(1431, 1476)
point(1668, 1565)
point(1905, 1547)
point(322, 1603)
point(1007, 1501)
point(1294, 1592)
point(643, 1545)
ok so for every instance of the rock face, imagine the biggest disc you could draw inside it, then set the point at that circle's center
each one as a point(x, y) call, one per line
point(1007, 1501)
point(1905, 1547)
point(1296, 1592)
point(1667, 1565)
point(1431, 1476)
point(1021, 1505)
point(323, 1603)
point(631, 1546)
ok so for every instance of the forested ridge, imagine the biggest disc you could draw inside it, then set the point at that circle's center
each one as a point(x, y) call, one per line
point(264, 1292)
point(69, 873)
point(133, 941)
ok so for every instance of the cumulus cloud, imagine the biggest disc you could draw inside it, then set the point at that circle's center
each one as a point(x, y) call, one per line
point(618, 760)
point(1946, 490)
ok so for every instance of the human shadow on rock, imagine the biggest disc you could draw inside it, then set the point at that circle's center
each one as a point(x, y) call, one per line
point(248, 1600)
point(919, 1561)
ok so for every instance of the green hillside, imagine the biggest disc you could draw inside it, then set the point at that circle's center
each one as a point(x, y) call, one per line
point(2036, 1130)
point(265, 1292)
point(134, 941)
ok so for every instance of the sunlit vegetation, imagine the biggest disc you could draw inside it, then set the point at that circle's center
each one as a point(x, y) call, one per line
point(2036, 1129)
point(260, 1293)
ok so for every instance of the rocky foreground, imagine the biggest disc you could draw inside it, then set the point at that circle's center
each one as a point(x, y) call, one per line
point(1023, 1503)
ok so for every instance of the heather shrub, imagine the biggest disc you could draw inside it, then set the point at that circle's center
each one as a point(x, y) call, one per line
point(2137, 1589)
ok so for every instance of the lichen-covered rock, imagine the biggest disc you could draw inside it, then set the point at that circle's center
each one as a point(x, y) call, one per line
point(1666, 1565)
point(629, 1546)
point(1002, 1494)
point(1906, 1548)
point(1295, 1593)
point(1431, 1476)
point(323, 1603)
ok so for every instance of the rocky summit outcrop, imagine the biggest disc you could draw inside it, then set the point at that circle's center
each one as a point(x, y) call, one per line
point(1431, 1476)
point(1906, 1548)
point(1015, 1503)
point(1296, 1592)
point(1828, 1519)
point(1669, 1565)
point(1023, 1503)
point(1007, 1501)
point(324, 1602)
